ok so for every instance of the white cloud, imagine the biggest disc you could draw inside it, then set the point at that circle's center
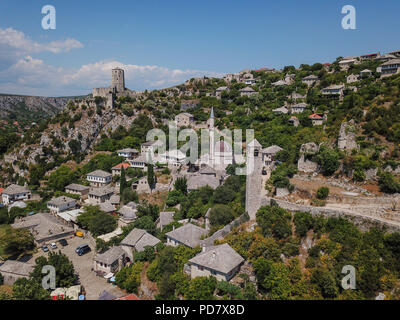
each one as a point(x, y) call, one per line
point(21, 72)
point(32, 76)
point(15, 44)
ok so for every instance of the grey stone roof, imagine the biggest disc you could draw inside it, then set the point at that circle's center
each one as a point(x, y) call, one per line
point(189, 235)
point(390, 62)
point(99, 192)
point(128, 150)
point(127, 212)
point(99, 173)
point(16, 267)
point(42, 226)
point(107, 207)
point(222, 88)
point(115, 199)
point(220, 258)
point(139, 239)
point(310, 77)
point(166, 218)
point(247, 89)
point(77, 187)
point(187, 114)
point(272, 149)
point(334, 86)
point(197, 181)
point(254, 143)
point(141, 158)
point(110, 256)
point(15, 189)
point(206, 169)
point(60, 201)
point(302, 105)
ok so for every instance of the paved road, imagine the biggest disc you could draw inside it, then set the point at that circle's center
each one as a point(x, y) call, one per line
point(93, 284)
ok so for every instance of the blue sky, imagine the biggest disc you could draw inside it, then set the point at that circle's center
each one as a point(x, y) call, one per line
point(162, 43)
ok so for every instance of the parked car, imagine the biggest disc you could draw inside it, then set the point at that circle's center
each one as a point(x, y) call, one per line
point(53, 246)
point(82, 249)
point(79, 234)
point(45, 248)
point(63, 242)
point(264, 172)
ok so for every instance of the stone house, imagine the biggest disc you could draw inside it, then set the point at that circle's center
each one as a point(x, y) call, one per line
point(247, 92)
point(220, 261)
point(142, 186)
point(370, 56)
point(61, 204)
point(15, 193)
point(188, 235)
point(184, 119)
point(137, 240)
point(365, 73)
point(78, 189)
point(127, 214)
point(174, 158)
point(318, 119)
point(111, 261)
point(100, 195)
point(165, 218)
point(116, 170)
point(44, 227)
point(13, 270)
point(299, 107)
point(218, 91)
point(139, 162)
point(268, 154)
point(128, 153)
point(336, 91)
point(310, 80)
point(150, 147)
point(390, 68)
point(99, 178)
point(352, 78)
point(281, 110)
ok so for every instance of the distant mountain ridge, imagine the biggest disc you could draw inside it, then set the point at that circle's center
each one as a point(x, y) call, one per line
point(19, 107)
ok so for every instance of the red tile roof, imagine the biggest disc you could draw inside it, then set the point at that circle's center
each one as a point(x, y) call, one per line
point(119, 166)
point(316, 116)
point(1, 190)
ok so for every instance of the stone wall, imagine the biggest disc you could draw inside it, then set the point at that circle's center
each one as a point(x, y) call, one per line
point(362, 221)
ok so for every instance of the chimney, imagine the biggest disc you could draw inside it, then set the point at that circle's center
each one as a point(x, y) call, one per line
point(213, 255)
point(203, 249)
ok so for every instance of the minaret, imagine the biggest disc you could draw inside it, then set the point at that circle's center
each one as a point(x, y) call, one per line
point(212, 137)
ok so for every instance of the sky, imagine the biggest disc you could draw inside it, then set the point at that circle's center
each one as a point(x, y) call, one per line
point(162, 43)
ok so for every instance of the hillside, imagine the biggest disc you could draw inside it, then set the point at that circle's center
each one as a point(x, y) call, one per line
point(15, 107)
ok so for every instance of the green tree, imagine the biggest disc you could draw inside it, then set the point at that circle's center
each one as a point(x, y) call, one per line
point(150, 176)
point(181, 185)
point(221, 215)
point(201, 288)
point(328, 159)
point(29, 289)
point(277, 282)
point(122, 181)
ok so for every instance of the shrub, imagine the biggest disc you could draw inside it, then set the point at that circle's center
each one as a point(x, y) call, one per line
point(322, 193)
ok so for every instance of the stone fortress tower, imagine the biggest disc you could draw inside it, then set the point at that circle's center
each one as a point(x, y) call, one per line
point(117, 88)
point(118, 80)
